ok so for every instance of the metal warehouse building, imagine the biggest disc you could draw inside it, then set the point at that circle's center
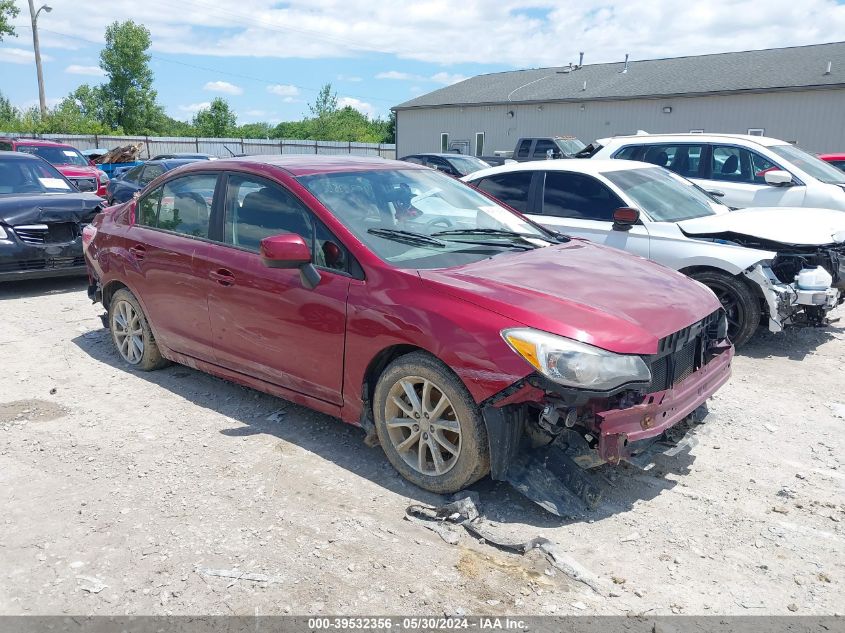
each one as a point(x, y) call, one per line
point(795, 94)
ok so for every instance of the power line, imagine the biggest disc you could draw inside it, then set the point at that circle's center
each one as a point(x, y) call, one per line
point(217, 70)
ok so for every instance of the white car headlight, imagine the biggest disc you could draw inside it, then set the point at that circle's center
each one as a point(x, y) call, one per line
point(575, 364)
point(104, 177)
point(3, 234)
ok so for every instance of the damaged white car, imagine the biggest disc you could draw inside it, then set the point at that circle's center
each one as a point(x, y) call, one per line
point(781, 266)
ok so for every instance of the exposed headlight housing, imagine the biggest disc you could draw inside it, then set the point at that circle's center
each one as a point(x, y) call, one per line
point(573, 364)
point(3, 233)
point(104, 177)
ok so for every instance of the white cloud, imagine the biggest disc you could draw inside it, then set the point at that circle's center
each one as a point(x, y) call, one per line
point(93, 71)
point(362, 106)
point(507, 33)
point(350, 78)
point(224, 87)
point(444, 78)
point(284, 90)
point(400, 76)
point(195, 107)
point(20, 56)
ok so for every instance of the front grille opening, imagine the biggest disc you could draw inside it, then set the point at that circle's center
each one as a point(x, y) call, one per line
point(680, 354)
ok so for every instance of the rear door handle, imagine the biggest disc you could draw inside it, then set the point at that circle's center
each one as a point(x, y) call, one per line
point(222, 276)
point(138, 251)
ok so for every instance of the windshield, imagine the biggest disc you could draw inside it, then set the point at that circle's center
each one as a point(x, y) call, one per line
point(808, 163)
point(467, 164)
point(570, 146)
point(55, 155)
point(31, 176)
point(418, 218)
point(662, 195)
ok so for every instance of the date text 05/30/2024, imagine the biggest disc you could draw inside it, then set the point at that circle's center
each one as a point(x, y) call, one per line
point(416, 624)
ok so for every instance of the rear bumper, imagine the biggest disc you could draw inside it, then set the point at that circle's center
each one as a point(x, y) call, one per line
point(660, 410)
point(20, 261)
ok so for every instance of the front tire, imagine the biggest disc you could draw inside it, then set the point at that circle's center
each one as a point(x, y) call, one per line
point(430, 428)
point(738, 300)
point(131, 333)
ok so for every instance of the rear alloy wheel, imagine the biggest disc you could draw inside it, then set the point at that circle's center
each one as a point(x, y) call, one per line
point(741, 306)
point(428, 425)
point(131, 332)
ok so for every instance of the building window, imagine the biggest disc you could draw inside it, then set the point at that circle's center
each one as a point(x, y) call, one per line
point(479, 143)
point(696, 131)
point(444, 142)
point(756, 131)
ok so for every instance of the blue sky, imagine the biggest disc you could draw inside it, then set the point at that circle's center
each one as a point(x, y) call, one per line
point(269, 58)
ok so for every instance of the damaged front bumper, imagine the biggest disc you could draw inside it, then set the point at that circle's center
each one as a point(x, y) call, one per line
point(543, 439)
point(786, 302)
point(19, 260)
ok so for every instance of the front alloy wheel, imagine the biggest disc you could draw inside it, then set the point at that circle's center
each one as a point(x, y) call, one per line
point(422, 426)
point(429, 426)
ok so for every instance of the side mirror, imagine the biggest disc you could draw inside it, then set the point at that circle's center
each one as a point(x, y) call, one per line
point(290, 251)
point(624, 218)
point(778, 178)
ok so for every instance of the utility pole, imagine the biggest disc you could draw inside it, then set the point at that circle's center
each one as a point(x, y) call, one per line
point(42, 100)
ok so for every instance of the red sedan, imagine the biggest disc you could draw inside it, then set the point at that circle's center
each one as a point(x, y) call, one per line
point(837, 160)
point(403, 301)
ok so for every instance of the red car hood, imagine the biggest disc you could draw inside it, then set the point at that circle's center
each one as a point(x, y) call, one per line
point(583, 291)
point(78, 171)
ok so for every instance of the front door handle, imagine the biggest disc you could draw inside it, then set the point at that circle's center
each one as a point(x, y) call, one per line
point(138, 251)
point(222, 276)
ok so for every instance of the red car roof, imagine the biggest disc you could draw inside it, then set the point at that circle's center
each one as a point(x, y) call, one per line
point(39, 141)
point(310, 164)
point(840, 156)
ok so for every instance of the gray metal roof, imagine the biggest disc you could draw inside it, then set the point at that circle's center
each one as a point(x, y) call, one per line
point(771, 69)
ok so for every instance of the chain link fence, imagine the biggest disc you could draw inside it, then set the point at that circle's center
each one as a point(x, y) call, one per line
point(220, 147)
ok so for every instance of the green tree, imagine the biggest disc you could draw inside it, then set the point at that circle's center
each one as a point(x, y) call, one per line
point(255, 130)
point(217, 120)
point(8, 112)
point(8, 12)
point(325, 103)
point(127, 98)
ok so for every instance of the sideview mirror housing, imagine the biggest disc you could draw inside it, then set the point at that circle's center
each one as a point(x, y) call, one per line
point(290, 251)
point(778, 178)
point(624, 218)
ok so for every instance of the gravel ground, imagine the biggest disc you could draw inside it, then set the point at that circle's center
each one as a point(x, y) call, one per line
point(125, 492)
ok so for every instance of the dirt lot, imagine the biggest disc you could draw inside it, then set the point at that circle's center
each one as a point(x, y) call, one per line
point(121, 490)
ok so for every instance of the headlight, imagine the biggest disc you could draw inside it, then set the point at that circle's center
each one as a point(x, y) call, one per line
point(575, 364)
point(104, 178)
point(3, 234)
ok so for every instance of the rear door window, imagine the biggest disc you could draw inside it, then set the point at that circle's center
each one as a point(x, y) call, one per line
point(684, 159)
point(511, 188)
point(524, 149)
point(570, 195)
point(628, 153)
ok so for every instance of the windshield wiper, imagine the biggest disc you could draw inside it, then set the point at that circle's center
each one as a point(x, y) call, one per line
point(407, 237)
point(498, 232)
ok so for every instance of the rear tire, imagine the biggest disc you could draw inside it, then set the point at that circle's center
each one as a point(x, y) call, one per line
point(131, 333)
point(740, 303)
point(430, 428)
